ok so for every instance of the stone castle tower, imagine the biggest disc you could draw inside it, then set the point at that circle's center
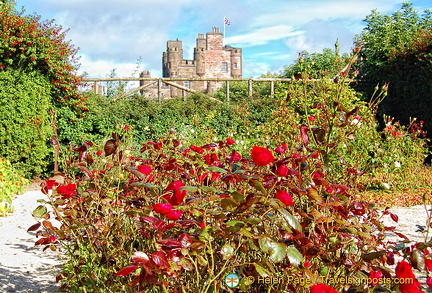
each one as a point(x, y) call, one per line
point(211, 59)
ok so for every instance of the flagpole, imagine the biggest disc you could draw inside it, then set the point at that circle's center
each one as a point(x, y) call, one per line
point(224, 30)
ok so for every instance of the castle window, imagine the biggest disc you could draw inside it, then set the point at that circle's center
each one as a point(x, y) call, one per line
point(235, 65)
point(187, 84)
point(224, 67)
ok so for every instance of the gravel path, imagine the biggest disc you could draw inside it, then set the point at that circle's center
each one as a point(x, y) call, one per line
point(24, 268)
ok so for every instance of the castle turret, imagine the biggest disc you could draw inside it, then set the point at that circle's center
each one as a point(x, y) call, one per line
point(172, 58)
point(144, 74)
point(236, 61)
point(199, 55)
point(214, 39)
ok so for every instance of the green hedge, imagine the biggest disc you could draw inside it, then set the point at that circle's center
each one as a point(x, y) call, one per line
point(24, 120)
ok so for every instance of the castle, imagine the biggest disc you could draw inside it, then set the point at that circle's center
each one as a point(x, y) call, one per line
point(211, 60)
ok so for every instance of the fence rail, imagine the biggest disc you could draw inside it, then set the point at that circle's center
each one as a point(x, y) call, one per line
point(158, 82)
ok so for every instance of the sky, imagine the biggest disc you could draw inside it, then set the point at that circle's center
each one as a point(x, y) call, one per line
point(131, 35)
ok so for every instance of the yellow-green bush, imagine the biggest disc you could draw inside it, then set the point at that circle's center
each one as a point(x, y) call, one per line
point(11, 183)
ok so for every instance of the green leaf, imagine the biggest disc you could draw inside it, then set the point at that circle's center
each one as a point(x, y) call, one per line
point(39, 213)
point(227, 251)
point(278, 252)
point(263, 272)
point(190, 189)
point(265, 244)
point(294, 256)
point(210, 189)
point(216, 169)
point(290, 219)
point(238, 196)
point(259, 186)
point(228, 204)
point(235, 223)
point(205, 234)
point(253, 221)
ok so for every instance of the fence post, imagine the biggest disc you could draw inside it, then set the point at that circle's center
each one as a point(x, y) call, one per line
point(250, 87)
point(227, 91)
point(272, 88)
point(159, 89)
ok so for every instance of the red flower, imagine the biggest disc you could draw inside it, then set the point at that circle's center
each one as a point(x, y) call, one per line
point(126, 128)
point(67, 190)
point(212, 159)
point(49, 184)
point(321, 288)
point(315, 155)
point(176, 196)
point(235, 157)
point(374, 276)
point(174, 215)
point(261, 156)
point(196, 149)
point(429, 282)
point(280, 150)
point(163, 208)
point(428, 263)
point(145, 169)
point(99, 153)
point(284, 197)
point(282, 170)
point(410, 283)
point(230, 141)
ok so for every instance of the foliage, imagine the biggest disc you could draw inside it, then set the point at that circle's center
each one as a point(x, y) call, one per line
point(397, 48)
point(11, 183)
point(180, 216)
point(24, 121)
point(342, 128)
point(197, 119)
point(182, 219)
point(198, 212)
point(318, 65)
point(30, 45)
point(33, 49)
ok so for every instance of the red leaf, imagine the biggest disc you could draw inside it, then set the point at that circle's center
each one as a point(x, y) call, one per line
point(42, 241)
point(304, 134)
point(126, 271)
point(185, 239)
point(160, 259)
point(89, 159)
point(34, 227)
point(394, 217)
point(140, 257)
point(150, 220)
point(110, 147)
point(401, 235)
point(170, 242)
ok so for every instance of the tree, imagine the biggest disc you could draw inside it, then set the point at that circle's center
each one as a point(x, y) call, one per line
point(38, 78)
point(397, 48)
point(317, 65)
point(31, 45)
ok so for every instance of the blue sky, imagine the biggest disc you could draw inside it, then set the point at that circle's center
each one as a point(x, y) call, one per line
point(117, 33)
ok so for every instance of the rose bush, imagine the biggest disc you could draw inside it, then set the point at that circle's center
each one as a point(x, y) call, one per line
point(193, 217)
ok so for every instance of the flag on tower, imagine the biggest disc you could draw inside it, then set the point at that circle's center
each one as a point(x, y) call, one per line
point(227, 21)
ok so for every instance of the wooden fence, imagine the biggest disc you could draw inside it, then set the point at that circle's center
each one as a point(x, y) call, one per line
point(158, 82)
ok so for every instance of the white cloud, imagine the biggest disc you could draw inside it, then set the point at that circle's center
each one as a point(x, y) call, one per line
point(114, 33)
point(262, 36)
